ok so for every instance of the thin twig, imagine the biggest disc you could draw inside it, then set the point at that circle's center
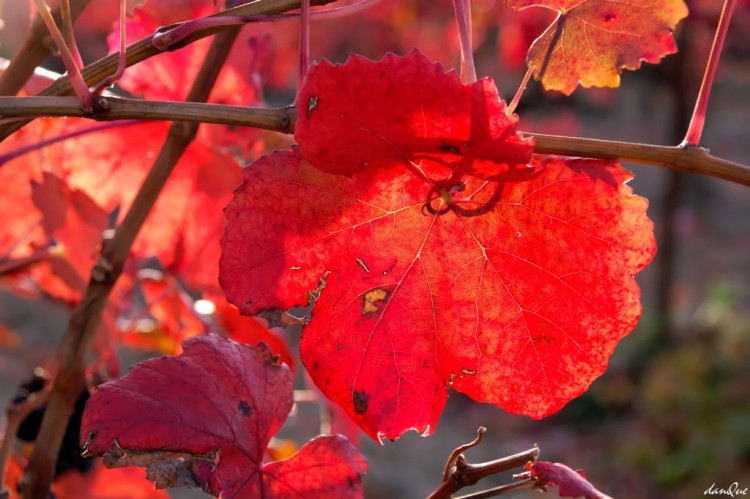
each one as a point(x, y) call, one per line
point(68, 34)
point(462, 10)
point(695, 129)
point(99, 127)
point(460, 450)
point(144, 49)
point(87, 316)
point(464, 473)
point(36, 47)
point(111, 79)
point(528, 483)
point(37, 255)
point(69, 60)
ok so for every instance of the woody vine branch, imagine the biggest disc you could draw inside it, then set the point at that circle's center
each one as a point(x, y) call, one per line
point(686, 158)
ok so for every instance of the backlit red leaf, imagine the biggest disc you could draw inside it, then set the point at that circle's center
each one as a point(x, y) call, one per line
point(416, 113)
point(75, 224)
point(185, 224)
point(591, 41)
point(103, 483)
point(513, 293)
point(206, 418)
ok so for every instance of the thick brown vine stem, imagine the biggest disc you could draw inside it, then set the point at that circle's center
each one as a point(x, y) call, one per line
point(115, 108)
point(36, 47)
point(144, 49)
point(86, 317)
point(15, 414)
point(463, 473)
point(691, 159)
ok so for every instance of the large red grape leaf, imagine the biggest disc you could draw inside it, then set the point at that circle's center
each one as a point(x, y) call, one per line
point(513, 293)
point(206, 418)
point(592, 40)
point(417, 113)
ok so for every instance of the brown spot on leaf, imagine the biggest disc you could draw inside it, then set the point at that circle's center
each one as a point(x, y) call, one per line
point(373, 302)
point(245, 409)
point(360, 399)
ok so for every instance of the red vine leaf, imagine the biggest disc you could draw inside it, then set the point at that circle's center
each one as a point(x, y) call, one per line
point(75, 224)
point(253, 330)
point(417, 114)
point(185, 224)
point(592, 40)
point(570, 483)
point(513, 293)
point(102, 483)
point(207, 417)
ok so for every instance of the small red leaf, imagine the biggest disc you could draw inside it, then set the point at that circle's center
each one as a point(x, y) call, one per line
point(570, 483)
point(513, 293)
point(325, 467)
point(205, 419)
point(416, 113)
point(103, 483)
point(75, 223)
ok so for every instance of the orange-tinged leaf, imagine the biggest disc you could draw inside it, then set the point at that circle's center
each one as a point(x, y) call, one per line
point(513, 293)
point(591, 41)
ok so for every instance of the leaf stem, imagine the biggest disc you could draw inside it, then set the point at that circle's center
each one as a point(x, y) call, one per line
point(463, 20)
point(68, 34)
point(71, 65)
point(695, 129)
point(304, 44)
point(111, 79)
point(87, 316)
point(167, 38)
point(516, 98)
point(36, 47)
